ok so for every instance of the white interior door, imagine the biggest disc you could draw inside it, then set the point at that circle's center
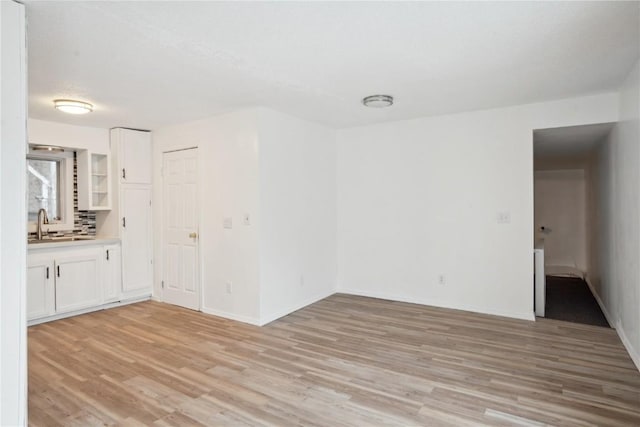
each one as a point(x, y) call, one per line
point(180, 229)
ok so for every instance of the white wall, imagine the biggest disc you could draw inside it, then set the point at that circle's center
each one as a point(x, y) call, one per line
point(279, 170)
point(298, 262)
point(419, 198)
point(228, 185)
point(13, 227)
point(617, 176)
point(63, 135)
point(561, 207)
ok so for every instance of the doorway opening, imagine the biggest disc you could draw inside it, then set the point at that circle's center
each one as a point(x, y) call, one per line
point(567, 190)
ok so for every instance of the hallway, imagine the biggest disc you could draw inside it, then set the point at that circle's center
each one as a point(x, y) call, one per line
point(571, 300)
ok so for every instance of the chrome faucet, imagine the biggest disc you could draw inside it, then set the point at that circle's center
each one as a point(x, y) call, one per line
point(42, 219)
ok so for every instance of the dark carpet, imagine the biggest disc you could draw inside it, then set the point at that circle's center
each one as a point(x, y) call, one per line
point(570, 299)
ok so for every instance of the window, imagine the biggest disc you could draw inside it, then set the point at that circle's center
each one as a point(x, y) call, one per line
point(43, 180)
point(50, 187)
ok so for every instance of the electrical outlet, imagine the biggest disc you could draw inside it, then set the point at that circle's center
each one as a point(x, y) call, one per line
point(229, 287)
point(503, 217)
point(442, 280)
point(227, 222)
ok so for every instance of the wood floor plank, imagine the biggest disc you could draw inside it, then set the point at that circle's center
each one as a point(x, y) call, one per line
point(344, 361)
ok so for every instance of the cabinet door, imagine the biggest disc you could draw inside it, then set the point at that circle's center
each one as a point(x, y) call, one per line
point(112, 273)
point(40, 287)
point(78, 281)
point(135, 157)
point(136, 238)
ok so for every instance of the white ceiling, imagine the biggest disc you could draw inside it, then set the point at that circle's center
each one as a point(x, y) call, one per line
point(571, 142)
point(149, 64)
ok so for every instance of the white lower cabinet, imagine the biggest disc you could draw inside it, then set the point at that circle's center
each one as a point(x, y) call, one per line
point(68, 279)
point(112, 273)
point(78, 281)
point(40, 287)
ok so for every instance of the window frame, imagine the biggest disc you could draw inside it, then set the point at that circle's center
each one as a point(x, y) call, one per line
point(66, 222)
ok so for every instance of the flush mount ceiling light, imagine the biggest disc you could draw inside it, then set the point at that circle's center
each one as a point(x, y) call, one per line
point(378, 101)
point(72, 107)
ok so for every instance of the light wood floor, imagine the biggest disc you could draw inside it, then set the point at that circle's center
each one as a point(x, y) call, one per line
point(343, 361)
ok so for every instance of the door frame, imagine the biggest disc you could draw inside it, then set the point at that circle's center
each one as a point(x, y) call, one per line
point(161, 206)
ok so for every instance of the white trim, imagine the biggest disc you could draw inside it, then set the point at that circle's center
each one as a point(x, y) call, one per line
point(540, 282)
point(231, 316)
point(423, 301)
point(635, 357)
point(193, 147)
point(600, 303)
point(295, 307)
point(13, 215)
point(144, 292)
point(88, 310)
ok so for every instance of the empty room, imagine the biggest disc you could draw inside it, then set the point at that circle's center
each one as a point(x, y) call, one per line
point(319, 213)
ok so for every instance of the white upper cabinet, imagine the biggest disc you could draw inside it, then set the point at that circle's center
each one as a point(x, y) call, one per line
point(94, 185)
point(134, 155)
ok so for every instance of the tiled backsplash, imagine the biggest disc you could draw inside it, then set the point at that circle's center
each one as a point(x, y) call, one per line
point(84, 222)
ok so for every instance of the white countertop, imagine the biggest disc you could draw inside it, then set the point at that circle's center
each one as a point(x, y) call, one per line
point(54, 243)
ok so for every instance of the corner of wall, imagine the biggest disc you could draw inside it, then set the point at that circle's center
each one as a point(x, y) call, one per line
point(270, 317)
point(232, 316)
point(635, 355)
point(603, 307)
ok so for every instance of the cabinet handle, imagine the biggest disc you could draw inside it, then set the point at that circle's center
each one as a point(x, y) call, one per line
point(124, 222)
point(47, 272)
point(124, 174)
point(58, 268)
point(107, 254)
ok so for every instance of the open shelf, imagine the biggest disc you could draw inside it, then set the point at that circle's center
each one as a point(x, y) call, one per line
point(93, 181)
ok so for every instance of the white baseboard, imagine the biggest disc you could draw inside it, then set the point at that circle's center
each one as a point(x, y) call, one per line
point(391, 297)
point(601, 304)
point(231, 316)
point(294, 307)
point(627, 344)
point(137, 294)
point(88, 310)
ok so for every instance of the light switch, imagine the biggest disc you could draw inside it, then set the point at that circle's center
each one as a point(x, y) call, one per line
point(246, 219)
point(227, 222)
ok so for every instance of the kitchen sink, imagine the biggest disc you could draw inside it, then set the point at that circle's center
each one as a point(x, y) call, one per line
point(61, 239)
